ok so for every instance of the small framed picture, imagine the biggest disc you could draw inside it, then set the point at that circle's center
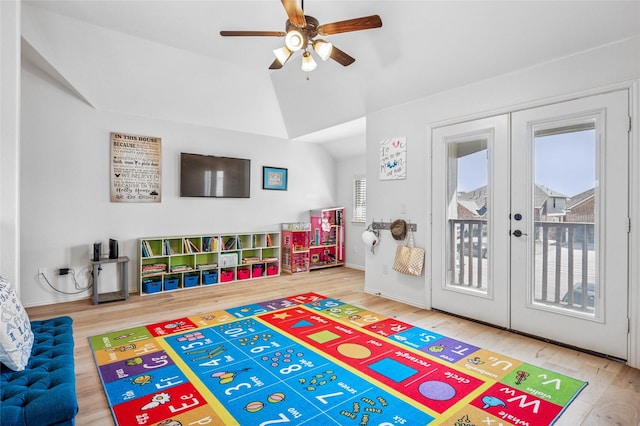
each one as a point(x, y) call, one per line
point(274, 178)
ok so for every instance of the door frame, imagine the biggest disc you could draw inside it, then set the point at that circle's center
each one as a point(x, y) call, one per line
point(633, 85)
point(493, 305)
point(608, 325)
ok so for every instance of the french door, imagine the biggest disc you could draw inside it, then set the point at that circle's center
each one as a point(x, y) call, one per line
point(470, 202)
point(530, 221)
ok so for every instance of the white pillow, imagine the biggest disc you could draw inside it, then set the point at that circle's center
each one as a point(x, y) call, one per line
point(16, 337)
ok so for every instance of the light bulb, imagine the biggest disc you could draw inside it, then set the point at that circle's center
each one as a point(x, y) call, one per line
point(308, 64)
point(283, 54)
point(323, 48)
point(294, 40)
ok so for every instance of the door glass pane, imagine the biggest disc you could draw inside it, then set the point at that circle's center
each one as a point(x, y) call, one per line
point(468, 209)
point(565, 201)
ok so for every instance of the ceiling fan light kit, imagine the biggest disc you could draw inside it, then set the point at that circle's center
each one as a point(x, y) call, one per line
point(323, 48)
point(295, 40)
point(300, 34)
point(282, 54)
point(308, 64)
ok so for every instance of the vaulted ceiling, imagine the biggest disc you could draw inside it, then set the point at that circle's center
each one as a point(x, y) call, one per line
point(166, 59)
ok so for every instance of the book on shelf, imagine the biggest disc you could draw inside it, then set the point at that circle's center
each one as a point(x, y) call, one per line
point(208, 266)
point(269, 243)
point(209, 244)
point(230, 244)
point(146, 249)
point(181, 268)
point(154, 268)
point(167, 250)
point(248, 260)
point(190, 247)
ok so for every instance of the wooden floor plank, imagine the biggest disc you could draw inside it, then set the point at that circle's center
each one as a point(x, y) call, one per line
point(612, 397)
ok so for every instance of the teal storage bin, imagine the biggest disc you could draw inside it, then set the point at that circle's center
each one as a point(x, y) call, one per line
point(209, 278)
point(171, 284)
point(190, 280)
point(151, 285)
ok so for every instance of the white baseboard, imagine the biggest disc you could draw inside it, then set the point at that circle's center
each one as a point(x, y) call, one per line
point(393, 297)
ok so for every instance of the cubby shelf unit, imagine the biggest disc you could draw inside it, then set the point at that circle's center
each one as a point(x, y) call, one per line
point(183, 262)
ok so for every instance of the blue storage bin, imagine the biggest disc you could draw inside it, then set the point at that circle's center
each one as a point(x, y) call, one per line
point(171, 284)
point(209, 278)
point(151, 285)
point(190, 280)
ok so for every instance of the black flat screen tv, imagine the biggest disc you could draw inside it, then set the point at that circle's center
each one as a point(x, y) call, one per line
point(211, 176)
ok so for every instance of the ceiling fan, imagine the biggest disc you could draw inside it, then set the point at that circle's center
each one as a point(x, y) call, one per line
point(301, 32)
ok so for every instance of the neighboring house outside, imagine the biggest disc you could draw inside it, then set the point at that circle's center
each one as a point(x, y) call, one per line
point(549, 205)
point(472, 204)
point(582, 207)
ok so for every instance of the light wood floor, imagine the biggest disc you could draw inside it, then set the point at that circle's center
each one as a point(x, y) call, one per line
point(612, 397)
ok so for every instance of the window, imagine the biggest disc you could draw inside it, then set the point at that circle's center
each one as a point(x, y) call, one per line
point(360, 200)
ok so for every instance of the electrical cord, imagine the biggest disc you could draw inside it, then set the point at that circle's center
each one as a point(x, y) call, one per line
point(75, 283)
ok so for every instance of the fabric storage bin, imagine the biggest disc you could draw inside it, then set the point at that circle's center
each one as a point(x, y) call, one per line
point(171, 284)
point(272, 269)
point(243, 274)
point(227, 260)
point(209, 278)
point(226, 276)
point(256, 270)
point(191, 280)
point(151, 286)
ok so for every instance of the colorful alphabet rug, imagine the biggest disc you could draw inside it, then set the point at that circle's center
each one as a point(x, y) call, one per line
point(312, 360)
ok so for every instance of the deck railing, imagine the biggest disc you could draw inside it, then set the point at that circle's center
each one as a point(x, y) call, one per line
point(564, 260)
point(565, 264)
point(469, 254)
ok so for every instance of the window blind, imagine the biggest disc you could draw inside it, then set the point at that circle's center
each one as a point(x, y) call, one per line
point(360, 200)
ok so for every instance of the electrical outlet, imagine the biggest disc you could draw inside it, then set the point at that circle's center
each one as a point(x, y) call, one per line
point(42, 271)
point(385, 269)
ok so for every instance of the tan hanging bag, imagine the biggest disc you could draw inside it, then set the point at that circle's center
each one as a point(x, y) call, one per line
point(409, 259)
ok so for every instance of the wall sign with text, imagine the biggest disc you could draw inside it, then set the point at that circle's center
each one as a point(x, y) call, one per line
point(135, 168)
point(393, 159)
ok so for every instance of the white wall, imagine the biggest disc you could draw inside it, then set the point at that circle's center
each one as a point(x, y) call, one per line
point(349, 169)
point(10, 145)
point(64, 187)
point(589, 72)
point(410, 198)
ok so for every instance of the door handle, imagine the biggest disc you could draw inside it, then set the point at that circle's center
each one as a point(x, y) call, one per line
point(518, 233)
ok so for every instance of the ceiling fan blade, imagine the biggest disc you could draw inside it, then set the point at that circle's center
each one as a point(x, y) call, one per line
point(275, 65)
point(341, 57)
point(356, 24)
point(252, 33)
point(295, 12)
